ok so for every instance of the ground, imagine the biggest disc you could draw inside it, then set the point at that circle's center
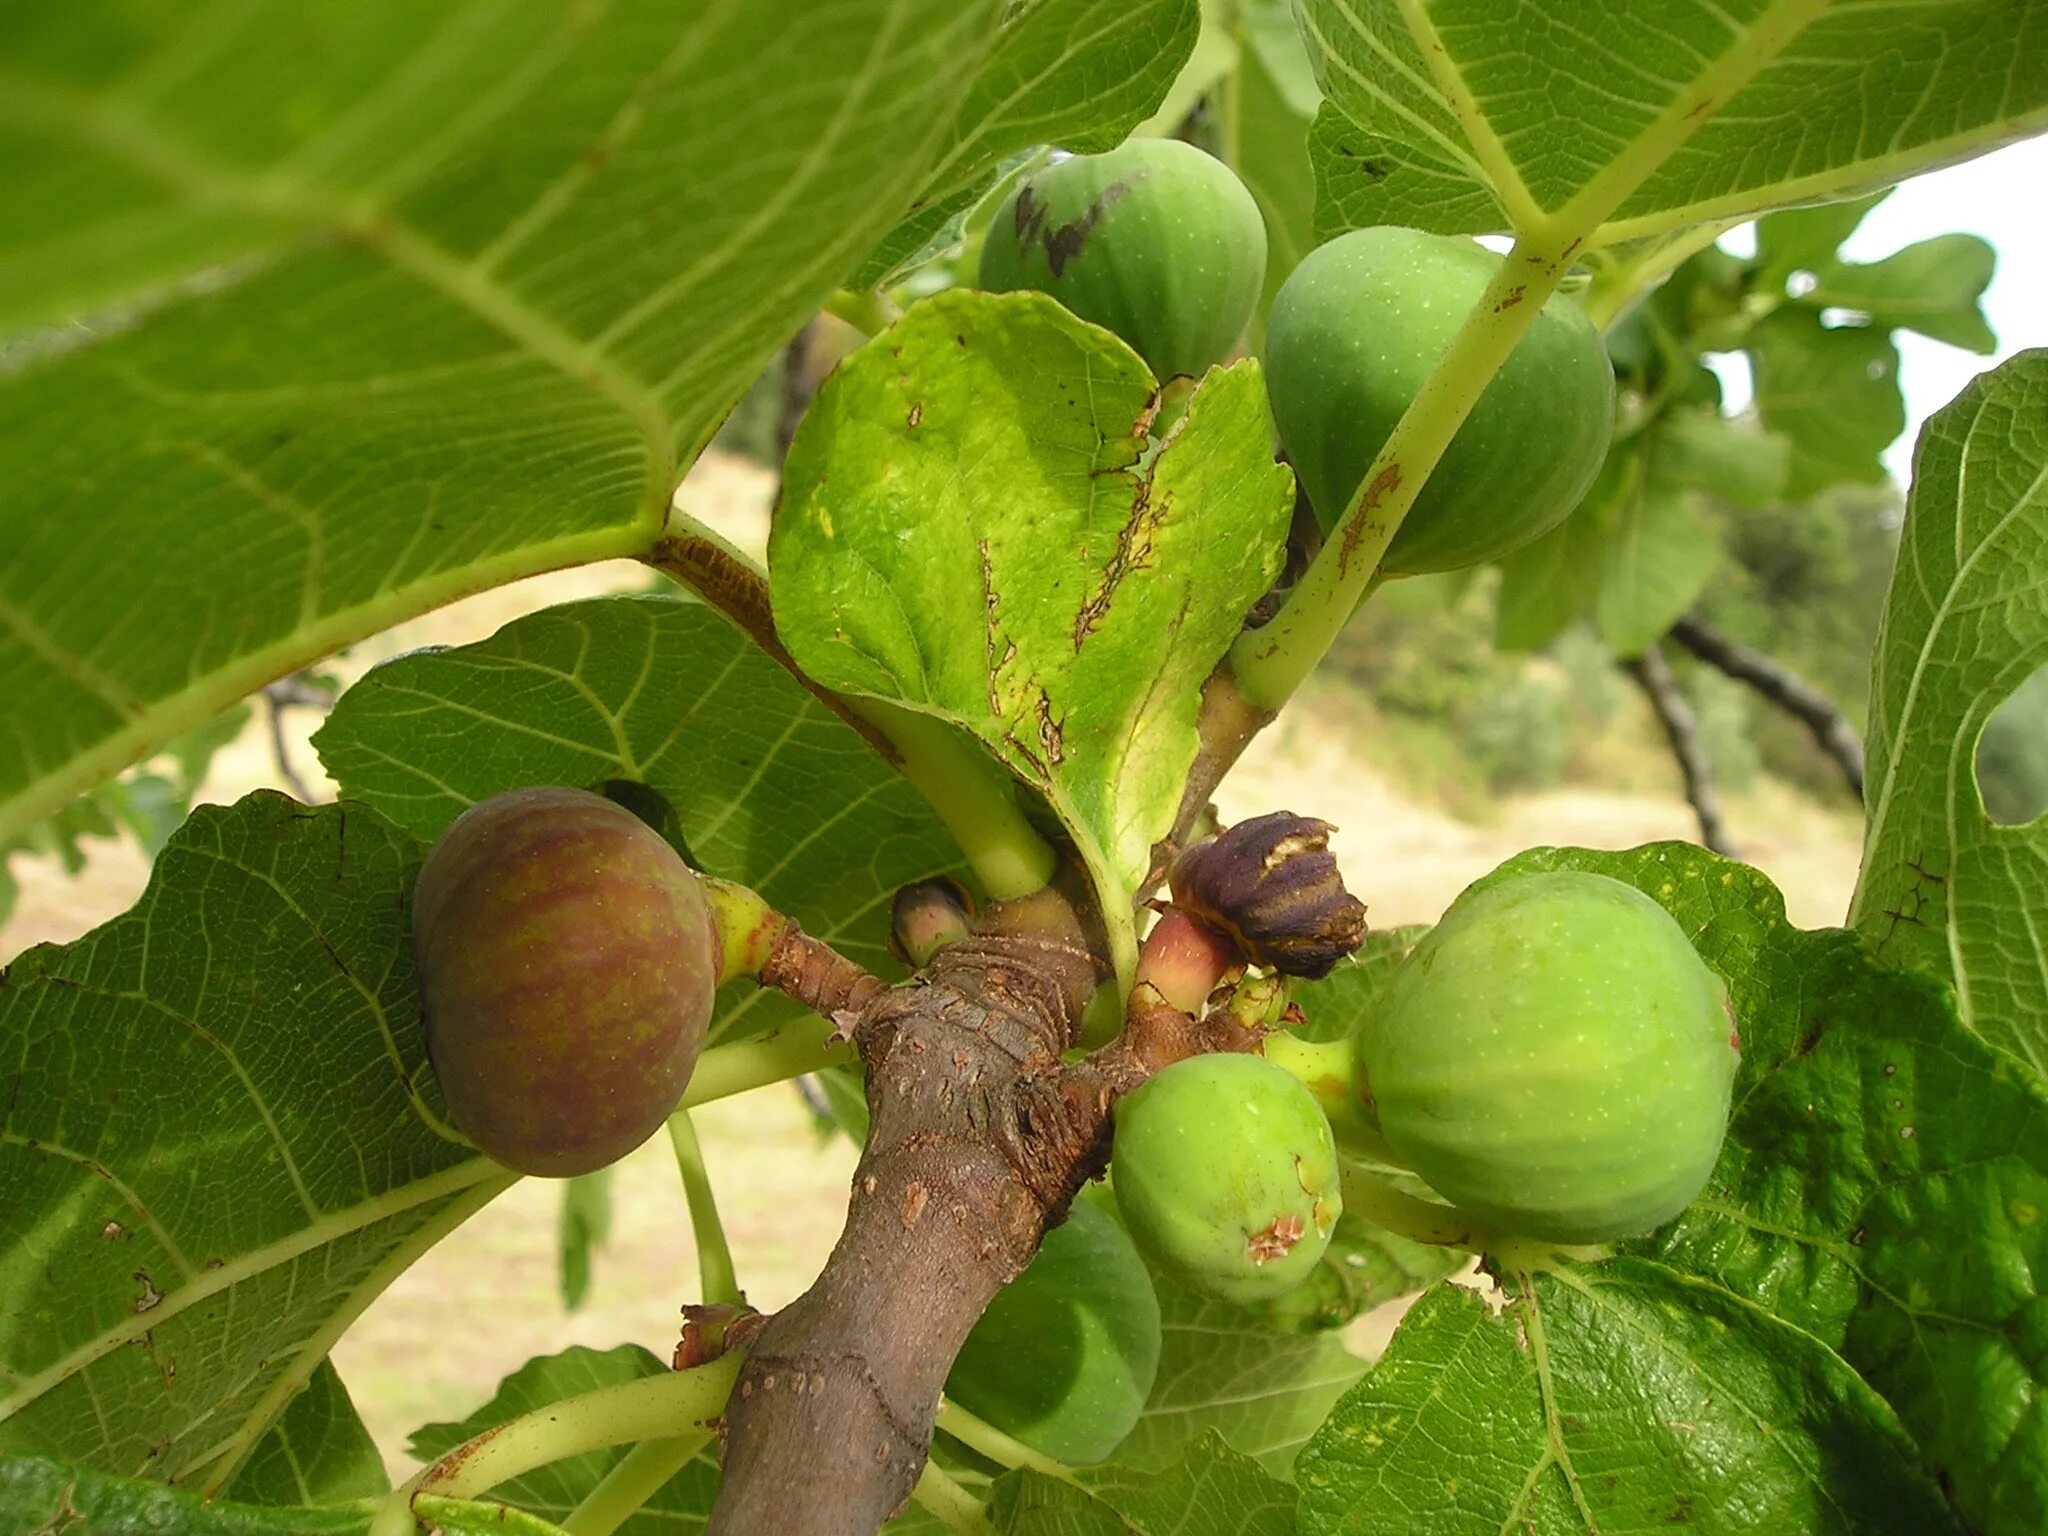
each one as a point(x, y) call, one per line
point(436, 1343)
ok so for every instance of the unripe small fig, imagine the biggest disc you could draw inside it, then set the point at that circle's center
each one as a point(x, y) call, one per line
point(1154, 240)
point(1064, 1357)
point(1226, 1174)
point(1354, 331)
point(1555, 1059)
point(567, 966)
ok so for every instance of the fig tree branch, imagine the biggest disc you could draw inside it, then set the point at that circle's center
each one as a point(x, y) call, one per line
point(1681, 728)
point(1813, 709)
point(981, 1133)
point(1371, 1197)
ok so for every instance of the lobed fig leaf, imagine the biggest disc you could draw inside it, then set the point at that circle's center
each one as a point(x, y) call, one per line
point(1155, 241)
point(1352, 334)
point(568, 961)
point(1226, 1174)
point(1065, 1356)
point(1555, 1059)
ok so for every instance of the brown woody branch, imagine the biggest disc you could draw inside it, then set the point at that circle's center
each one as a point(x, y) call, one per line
point(1799, 699)
point(980, 1136)
point(1682, 729)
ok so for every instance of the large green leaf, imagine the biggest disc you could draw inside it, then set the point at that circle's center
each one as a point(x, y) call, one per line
point(219, 1142)
point(1227, 1371)
point(1210, 1491)
point(1966, 622)
point(768, 787)
point(1832, 391)
point(318, 1452)
point(967, 526)
point(1477, 115)
point(1626, 1398)
point(1079, 74)
point(41, 1497)
point(325, 314)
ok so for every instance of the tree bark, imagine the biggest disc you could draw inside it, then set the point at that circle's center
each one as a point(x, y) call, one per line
point(980, 1137)
point(1799, 699)
point(1681, 728)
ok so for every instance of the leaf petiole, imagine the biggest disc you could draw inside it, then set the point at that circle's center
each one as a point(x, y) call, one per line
point(652, 1408)
point(790, 1050)
point(978, 1435)
point(939, 1496)
point(719, 1281)
point(1270, 663)
point(634, 1479)
point(1373, 1199)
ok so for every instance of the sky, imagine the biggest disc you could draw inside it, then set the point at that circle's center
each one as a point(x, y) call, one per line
point(2002, 196)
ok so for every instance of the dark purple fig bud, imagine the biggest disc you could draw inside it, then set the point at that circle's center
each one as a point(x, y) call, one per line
point(1271, 884)
point(567, 963)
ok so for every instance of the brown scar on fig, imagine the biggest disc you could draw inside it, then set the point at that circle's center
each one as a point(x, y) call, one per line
point(1275, 1240)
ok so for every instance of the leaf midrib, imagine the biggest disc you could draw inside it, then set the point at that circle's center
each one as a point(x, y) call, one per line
point(138, 142)
point(246, 1266)
point(148, 147)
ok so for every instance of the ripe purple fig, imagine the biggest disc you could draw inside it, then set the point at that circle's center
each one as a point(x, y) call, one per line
point(567, 964)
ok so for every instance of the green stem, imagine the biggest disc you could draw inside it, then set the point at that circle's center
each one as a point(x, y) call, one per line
point(979, 1435)
point(1270, 663)
point(973, 796)
point(635, 1478)
point(747, 927)
point(1616, 290)
point(719, 1280)
point(870, 312)
point(652, 1408)
point(1369, 1196)
point(805, 1044)
point(1329, 1070)
point(951, 1505)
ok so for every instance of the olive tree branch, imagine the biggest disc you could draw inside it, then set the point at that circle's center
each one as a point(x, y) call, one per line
point(1799, 699)
point(1682, 729)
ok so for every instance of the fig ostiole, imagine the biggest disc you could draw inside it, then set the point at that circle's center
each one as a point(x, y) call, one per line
point(1154, 241)
point(567, 959)
point(1354, 331)
point(1064, 1357)
point(1555, 1059)
point(1226, 1174)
